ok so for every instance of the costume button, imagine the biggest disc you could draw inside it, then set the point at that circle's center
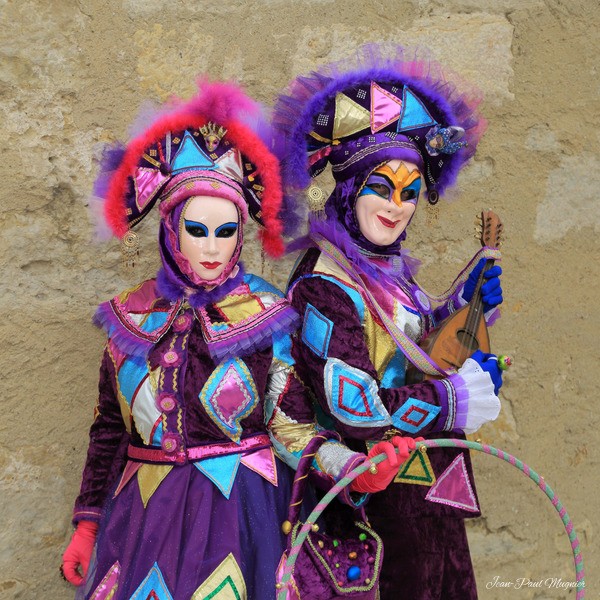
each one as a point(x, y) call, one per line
point(170, 443)
point(182, 323)
point(166, 403)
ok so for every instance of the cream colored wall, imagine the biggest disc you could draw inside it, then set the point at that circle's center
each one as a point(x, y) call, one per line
point(73, 74)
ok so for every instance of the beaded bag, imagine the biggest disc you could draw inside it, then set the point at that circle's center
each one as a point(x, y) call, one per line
point(328, 568)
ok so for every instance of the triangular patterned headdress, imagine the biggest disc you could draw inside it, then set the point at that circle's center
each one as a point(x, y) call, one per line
point(350, 116)
point(219, 130)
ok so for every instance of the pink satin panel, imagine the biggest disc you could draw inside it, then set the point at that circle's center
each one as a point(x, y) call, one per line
point(263, 463)
point(385, 108)
point(229, 398)
point(130, 470)
point(147, 183)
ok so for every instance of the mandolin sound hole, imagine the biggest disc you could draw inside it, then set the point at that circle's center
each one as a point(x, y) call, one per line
point(467, 341)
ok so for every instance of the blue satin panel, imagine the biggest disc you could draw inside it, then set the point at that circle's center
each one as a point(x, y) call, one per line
point(413, 415)
point(414, 114)
point(190, 156)
point(221, 470)
point(316, 331)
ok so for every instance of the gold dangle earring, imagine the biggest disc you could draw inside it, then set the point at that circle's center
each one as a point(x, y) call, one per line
point(130, 250)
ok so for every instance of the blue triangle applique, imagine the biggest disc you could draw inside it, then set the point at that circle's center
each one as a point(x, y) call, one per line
point(414, 114)
point(221, 470)
point(153, 586)
point(190, 156)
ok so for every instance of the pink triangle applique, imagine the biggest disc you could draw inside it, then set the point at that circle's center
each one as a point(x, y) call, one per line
point(131, 468)
point(147, 184)
point(263, 463)
point(453, 487)
point(385, 108)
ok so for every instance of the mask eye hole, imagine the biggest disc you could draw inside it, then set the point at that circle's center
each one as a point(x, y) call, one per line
point(380, 189)
point(408, 195)
point(226, 230)
point(197, 230)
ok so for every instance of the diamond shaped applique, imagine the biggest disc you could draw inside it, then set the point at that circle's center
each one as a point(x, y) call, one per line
point(352, 396)
point(414, 415)
point(316, 331)
point(417, 469)
point(229, 396)
point(226, 582)
point(153, 587)
point(453, 487)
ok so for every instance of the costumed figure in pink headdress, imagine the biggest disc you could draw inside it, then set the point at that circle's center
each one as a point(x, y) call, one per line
point(395, 133)
point(182, 494)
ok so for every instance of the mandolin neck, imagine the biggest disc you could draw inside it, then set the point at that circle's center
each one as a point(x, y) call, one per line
point(475, 313)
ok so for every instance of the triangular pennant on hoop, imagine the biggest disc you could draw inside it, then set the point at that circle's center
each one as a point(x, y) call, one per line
point(417, 469)
point(385, 108)
point(453, 487)
point(350, 117)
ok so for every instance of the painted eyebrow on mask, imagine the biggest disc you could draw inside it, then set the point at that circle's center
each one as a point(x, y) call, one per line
point(226, 230)
point(194, 228)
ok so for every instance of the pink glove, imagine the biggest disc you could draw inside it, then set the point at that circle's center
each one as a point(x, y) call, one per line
point(369, 482)
point(79, 552)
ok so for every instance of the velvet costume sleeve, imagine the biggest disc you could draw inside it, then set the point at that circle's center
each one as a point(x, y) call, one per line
point(344, 362)
point(107, 448)
point(291, 424)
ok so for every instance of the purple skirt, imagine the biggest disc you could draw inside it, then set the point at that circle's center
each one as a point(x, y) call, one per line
point(190, 536)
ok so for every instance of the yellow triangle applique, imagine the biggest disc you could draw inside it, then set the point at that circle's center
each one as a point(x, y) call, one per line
point(350, 117)
point(417, 469)
point(149, 478)
point(226, 582)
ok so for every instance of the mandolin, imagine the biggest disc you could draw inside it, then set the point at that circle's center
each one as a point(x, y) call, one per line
point(465, 330)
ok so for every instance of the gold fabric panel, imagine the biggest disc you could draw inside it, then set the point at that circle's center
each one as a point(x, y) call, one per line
point(294, 436)
point(350, 117)
point(381, 346)
point(237, 308)
point(149, 478)
point(226, 582)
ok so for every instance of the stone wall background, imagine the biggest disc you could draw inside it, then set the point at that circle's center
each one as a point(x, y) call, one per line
point(73, 74)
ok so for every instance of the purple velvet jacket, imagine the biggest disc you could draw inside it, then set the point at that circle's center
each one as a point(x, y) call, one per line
point(357, 377)
point(176, 380)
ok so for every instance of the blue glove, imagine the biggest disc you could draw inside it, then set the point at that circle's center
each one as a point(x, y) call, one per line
point(491, 292)
point(489, 363)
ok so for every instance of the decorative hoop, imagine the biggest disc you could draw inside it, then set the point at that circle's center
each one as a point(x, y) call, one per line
point(442, 443)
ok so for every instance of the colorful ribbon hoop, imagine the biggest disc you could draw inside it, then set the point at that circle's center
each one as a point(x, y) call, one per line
point(442, 443)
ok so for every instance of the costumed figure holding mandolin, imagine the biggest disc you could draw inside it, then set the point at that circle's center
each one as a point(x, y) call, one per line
point(395, 133)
